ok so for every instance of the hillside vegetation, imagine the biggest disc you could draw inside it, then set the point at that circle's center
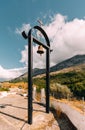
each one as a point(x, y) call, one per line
point(73, 78)
point(69, 73)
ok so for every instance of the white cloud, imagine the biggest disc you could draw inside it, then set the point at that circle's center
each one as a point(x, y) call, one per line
point(25, 27)
point(6, 74)
point(67, 39)
point(24, 54)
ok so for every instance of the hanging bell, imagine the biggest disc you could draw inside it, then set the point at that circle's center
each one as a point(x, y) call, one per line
point(40, 50)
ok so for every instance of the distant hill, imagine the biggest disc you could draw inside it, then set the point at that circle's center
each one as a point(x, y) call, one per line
point(20, 78)
point(71, 62)
point(70, 73)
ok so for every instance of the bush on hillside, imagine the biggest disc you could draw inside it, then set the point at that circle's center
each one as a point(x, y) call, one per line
point(60, 91)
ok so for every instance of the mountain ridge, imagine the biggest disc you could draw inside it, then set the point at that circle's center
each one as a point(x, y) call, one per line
point(73, 61)
point(70, 62)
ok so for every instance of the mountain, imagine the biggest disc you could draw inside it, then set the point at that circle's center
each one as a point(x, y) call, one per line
point(23, 77)
point(71, 62)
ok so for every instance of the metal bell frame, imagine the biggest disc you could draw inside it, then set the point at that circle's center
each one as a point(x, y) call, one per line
point(46, 46)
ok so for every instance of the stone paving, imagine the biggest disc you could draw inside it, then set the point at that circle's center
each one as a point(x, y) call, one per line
point(13, 115)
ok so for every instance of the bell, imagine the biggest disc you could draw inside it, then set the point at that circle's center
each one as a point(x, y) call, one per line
point(40, 50)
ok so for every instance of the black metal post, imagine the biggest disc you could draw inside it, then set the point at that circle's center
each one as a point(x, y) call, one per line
point(30, 69)
point(47, 80)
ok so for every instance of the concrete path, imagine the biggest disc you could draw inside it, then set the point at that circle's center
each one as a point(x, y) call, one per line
point(13, 115)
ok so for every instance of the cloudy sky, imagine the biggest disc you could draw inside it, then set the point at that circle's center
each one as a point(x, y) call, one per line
point(63, 21)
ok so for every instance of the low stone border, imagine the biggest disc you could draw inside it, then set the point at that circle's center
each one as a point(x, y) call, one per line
point(76, 118)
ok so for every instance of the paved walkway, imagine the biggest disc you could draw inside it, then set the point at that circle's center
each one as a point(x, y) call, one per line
point(13, 115)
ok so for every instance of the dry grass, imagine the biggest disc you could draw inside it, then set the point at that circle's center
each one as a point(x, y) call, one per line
point(78, 105)
point(14, 85)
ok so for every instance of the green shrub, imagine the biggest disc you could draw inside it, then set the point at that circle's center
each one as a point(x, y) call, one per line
point(60, 91)
point(4, 89)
